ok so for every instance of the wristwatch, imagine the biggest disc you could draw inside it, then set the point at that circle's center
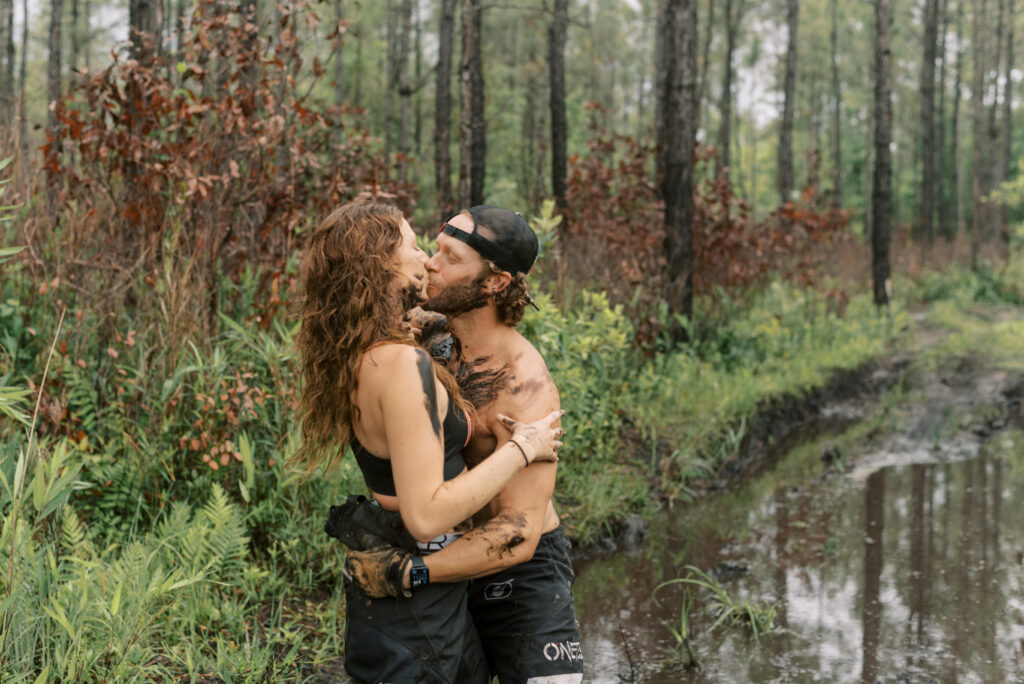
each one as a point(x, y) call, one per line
point(419, 574)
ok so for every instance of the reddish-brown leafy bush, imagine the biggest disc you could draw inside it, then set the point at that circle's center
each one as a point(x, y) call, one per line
point(217, 155)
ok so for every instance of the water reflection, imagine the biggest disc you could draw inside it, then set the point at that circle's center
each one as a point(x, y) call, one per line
point(902, 576)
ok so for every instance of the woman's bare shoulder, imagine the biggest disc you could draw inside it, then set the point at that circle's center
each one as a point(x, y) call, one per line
point(390, 357)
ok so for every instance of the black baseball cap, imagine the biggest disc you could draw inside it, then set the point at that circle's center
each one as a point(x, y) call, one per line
point(500, 235)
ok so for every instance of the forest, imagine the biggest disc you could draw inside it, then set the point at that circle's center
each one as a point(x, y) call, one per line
point(773, 235)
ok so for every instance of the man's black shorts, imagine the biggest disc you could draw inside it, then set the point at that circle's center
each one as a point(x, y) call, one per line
point(526, 618)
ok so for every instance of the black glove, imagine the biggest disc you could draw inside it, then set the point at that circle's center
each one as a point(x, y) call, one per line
point(361, 524)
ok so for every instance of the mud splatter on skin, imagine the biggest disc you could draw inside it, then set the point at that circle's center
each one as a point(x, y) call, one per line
point(426, 370)
point(503, 533)
point(482, 387)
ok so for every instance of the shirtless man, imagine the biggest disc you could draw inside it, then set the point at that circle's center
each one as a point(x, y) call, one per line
point(517, 555)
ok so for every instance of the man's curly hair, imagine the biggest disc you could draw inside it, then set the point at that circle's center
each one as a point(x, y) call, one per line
point(513, 300)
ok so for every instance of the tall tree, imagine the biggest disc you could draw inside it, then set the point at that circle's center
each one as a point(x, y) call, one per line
point(53, 82)
point(705, 58)
point(405, 91)
point(837, 110)
point(785, 152)
point(941, 205)
point(1008, 110)
point(22, 134)
point(931, 30)
point(339, 53)
point(6, 60)
point(473, 127)
point(733, 15)
point(956, 214)
point(391, 70)
point(881, 192)
point(144, 29)
point(443, 111)
point(557, 34)
point(977, 110)
point(677, 110)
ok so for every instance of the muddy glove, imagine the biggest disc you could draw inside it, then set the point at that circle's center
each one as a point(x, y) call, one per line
point(361, 524)
point(379, 572)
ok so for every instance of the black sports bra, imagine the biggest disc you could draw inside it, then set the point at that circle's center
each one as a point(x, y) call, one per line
point(377, 472)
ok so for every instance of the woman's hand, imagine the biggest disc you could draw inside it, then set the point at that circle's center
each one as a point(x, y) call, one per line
point(539, 441)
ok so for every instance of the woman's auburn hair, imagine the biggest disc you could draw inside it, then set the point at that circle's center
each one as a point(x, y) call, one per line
point(347, 305)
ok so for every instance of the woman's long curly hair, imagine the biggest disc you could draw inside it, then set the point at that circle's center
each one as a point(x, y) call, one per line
point(347, 306)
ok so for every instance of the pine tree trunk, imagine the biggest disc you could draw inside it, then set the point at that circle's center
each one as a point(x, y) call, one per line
point(443, 111)
point(556, 100)
point(417, 127)
point(994, 169)
point(977, 107)
point(144, 29)
point(881, 192)
point(785, 153)
point(75, 32)
point(928, 178)
point(53, 89)
point(725, 108)
point(22, 129)
point(473, 127)
point(837, 110)
point(957, 210)
point(391, 70)
point(941, 203)
point(404, 92)
point(1007, 156)
point(677, 109)
point(339, 55)
point(705, 59)
point(7, 62)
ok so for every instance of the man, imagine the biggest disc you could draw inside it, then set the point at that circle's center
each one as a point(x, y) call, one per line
point(517, 555)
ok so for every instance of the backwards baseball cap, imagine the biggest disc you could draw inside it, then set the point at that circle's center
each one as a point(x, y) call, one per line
point(501, 236)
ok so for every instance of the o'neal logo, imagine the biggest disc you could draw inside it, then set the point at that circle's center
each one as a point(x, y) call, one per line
point(563, 650)
point(498, 590)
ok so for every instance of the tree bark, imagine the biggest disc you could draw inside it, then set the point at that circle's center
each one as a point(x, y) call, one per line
point(785, 153)
point(977, 107)
point(391, 70)
point(144, 29)
point(54, 68)
point(733, 12)
point(677, 109)
point(22, 132)
point(881, 192)
point(443, 111)
point(339, 55)
point(837, 110)
point(75, 35)
point(705, 59)
point(956, 192)
point(473, 127)
point(1007, 156)
point(557, 31)
point(404, 92)
point(7, 62)
point(941, 203)
point(928, 178)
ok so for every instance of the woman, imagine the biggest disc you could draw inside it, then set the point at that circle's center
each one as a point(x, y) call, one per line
point(368, 385)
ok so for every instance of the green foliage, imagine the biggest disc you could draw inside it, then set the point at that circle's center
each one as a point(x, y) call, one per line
point(723, 608)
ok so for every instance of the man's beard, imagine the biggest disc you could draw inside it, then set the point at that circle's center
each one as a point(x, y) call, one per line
point(456, 300)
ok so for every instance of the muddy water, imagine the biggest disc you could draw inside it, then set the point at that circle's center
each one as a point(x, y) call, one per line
point(890, 543)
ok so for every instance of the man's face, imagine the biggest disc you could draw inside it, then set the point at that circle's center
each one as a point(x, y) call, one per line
point(456, 274)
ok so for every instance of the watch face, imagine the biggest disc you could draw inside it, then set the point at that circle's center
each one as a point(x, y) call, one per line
point(419, 576)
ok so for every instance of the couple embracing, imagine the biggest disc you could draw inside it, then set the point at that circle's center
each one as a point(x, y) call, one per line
point(457, 569)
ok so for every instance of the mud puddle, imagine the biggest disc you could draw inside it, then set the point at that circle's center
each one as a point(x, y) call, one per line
point(890, 544)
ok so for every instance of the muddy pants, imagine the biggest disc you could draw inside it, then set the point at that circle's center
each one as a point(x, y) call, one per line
point(526, 618)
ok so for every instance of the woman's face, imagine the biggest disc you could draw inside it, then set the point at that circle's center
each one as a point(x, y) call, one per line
point(411, 278)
